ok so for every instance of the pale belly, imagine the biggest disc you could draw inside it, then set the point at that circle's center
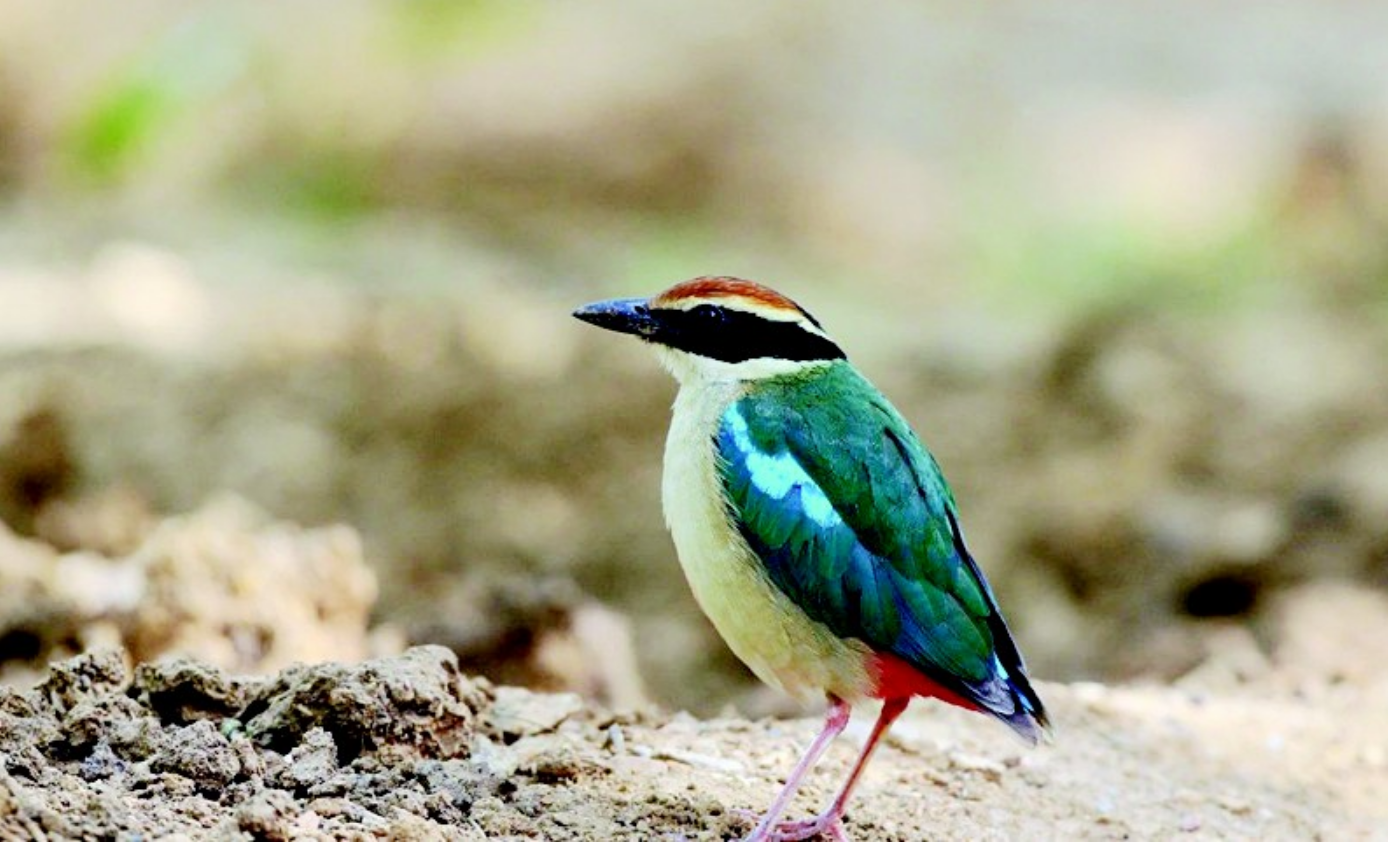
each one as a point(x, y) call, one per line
point(768, 632)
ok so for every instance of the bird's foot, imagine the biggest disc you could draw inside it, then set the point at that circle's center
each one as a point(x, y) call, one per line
point(828, 825)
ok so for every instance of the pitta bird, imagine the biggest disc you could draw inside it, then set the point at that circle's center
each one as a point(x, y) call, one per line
point(816, 531)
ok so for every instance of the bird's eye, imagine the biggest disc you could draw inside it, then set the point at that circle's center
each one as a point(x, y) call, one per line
point(708, 313)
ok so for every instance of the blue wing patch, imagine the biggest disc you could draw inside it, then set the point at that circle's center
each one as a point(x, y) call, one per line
point(774, 477)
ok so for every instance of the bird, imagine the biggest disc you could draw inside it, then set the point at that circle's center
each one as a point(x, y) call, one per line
point(815, 530)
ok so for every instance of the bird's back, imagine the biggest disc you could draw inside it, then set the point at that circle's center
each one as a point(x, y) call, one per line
point(851, 519)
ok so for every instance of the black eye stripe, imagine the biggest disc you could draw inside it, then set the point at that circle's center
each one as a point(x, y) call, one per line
point(734, 336)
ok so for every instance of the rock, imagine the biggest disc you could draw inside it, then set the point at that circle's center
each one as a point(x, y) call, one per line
point(85, 678)
point(102, 763)
point(516, 712)
point(416, 704)
point(200, 753)
point(552, 758)
point(224, 584)
point(90, 722)
point(182, 690)
point(249, 595)
point(313, 761)
point(268, 815)
point(112, 522)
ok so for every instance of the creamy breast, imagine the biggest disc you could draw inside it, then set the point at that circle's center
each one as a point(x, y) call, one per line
point(763, 627)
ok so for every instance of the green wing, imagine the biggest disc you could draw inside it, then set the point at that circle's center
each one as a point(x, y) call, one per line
point(854, 522)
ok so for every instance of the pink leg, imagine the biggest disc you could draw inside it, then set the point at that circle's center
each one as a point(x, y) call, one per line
point(829, 821)
point(834, 723)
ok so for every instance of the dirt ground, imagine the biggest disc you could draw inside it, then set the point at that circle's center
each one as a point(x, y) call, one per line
point(1291, 745)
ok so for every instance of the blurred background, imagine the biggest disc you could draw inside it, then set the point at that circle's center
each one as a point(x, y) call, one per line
point(1124, 266)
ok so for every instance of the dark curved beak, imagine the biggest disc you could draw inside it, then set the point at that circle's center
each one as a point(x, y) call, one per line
point(623, 315)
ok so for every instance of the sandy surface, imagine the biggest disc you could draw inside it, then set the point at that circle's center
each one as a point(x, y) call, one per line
point(1292, 746)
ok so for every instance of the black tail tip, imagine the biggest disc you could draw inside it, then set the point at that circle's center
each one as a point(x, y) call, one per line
point(1034, 726)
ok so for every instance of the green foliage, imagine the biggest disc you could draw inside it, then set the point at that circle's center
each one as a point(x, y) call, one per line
point(324, 184)
point(157, 91)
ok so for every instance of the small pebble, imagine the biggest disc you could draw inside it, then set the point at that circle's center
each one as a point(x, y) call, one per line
point(616, 740)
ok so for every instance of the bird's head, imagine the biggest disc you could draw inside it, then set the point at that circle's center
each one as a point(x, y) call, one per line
point(720, 329)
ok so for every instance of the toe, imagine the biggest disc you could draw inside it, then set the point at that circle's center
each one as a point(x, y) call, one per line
point(810, 829)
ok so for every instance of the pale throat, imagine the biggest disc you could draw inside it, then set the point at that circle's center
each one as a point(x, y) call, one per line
point(692, 369)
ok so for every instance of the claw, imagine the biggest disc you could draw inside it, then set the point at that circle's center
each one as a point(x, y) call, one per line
point(826, 825)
